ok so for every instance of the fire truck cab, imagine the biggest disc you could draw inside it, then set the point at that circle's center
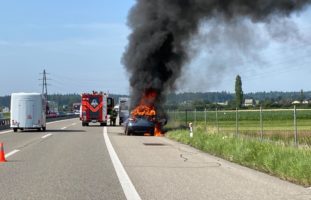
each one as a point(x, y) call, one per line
point(96, 108)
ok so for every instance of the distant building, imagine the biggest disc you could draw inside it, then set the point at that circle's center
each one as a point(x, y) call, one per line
point(6, 109)
point(295, 102)
point(249, 102)
point(222, 103)
point(305, 102)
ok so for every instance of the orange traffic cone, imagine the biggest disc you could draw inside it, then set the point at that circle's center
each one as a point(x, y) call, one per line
point(2, 156)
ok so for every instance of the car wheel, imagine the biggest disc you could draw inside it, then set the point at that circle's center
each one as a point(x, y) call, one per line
point(15, 129)
point(128, 132)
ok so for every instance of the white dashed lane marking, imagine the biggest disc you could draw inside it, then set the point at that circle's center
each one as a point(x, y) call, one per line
point(47, 135)
point(11, 153)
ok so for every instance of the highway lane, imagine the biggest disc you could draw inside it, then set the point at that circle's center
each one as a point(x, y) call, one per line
point(72, 163)
point(21, 139)
point(162, 169)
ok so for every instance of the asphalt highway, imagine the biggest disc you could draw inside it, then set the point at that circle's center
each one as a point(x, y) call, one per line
point(69, 161)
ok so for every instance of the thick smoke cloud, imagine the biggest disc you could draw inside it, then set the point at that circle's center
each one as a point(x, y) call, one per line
point(159, 46)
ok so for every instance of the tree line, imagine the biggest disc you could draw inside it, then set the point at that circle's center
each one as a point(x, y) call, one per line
point(200, 100)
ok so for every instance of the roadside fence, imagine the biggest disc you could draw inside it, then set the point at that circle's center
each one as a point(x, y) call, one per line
point(289, 126)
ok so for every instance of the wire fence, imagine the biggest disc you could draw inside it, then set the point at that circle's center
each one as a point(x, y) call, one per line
point(289, 126)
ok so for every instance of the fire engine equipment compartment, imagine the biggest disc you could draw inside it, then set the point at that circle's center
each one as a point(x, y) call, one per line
point(28, 111)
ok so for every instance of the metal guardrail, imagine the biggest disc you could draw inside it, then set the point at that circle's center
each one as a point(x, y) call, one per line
point(5, 123)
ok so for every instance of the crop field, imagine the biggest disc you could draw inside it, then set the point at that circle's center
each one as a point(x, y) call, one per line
point(280, 125)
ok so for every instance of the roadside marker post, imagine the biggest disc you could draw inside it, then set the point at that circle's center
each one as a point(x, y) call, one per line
point(191, 130)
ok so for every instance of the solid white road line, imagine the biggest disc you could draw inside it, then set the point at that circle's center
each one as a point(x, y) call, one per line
point(11, 153)
point(74, 124)
point(47, 135)
point(63, 128)
point(126, 183)
point(5, 132)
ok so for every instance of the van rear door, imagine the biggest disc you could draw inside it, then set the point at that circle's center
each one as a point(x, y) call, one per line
point(26, 113)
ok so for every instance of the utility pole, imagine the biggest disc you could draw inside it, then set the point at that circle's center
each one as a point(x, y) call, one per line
point(45, 90)
point(44, 85)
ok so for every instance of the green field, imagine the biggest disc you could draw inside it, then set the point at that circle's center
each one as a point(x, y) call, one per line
point(276, 124)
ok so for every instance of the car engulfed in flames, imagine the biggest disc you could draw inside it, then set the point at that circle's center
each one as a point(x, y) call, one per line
point(143, 119)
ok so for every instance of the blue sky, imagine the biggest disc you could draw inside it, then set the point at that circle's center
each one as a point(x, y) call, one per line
point(80, 44)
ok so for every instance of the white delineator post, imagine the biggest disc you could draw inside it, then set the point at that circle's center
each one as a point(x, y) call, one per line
point(191, 130)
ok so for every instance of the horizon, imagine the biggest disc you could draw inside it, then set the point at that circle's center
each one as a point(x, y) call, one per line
point(177, 93)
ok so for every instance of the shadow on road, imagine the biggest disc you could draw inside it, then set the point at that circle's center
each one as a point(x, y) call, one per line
point(64, 131)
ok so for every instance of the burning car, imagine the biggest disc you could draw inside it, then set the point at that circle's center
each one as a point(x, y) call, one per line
point(143, 118)
point(139, 125)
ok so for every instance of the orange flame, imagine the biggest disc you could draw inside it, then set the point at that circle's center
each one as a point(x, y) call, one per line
point(146, 108)
point(143, 110)
point(157, 130)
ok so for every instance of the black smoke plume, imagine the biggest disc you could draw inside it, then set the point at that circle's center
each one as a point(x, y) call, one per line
point(162, 29)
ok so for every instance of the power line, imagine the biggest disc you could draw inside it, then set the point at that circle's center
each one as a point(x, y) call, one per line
point(44, 84)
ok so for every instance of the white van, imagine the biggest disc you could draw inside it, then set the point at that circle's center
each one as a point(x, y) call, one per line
point(28, 111)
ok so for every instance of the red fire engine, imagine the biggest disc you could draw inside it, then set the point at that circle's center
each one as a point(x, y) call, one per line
point(95, 108)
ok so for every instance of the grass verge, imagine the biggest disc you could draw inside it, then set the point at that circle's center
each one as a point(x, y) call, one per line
point(285, 162)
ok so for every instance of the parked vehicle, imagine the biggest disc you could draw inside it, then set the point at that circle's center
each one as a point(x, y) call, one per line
point(28, 111)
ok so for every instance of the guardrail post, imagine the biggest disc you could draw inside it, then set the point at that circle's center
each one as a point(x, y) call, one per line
point(295, 127)
point(237, 122)
point(174, 115)
point(261, 124)
point(195, 118)
point(186, 117)
point(217, 125)
point(205, 118)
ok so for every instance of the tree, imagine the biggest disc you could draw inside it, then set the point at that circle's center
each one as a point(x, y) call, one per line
point(238, 92)
point(302, 96)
